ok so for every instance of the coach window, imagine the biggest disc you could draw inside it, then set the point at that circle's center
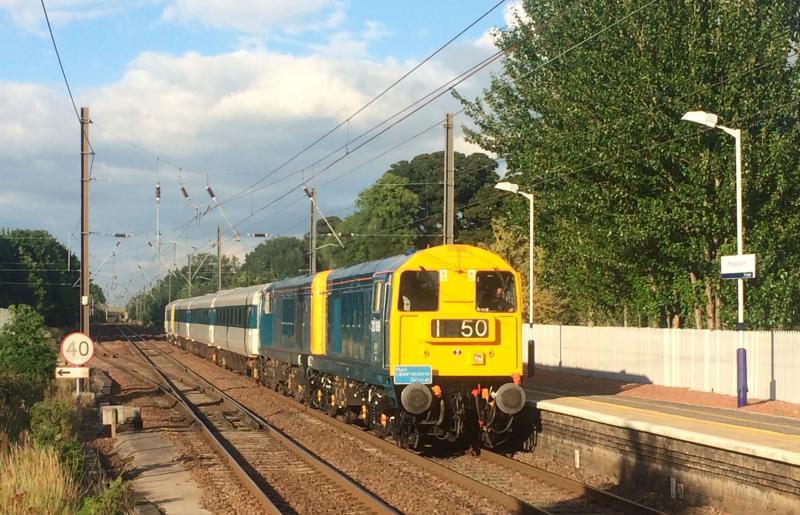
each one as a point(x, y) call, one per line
point(419, 291)
point(495, 291)
point(377, 295)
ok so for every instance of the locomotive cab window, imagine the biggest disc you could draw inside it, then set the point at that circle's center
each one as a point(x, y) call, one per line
point(419, 291)
point(495, 291)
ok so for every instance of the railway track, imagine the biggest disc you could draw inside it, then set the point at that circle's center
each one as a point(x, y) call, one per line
point(498, 478)
point(281, 474)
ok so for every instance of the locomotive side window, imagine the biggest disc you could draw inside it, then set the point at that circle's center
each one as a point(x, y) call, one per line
point(377, 295)
point(419, 291)
point(495, 291)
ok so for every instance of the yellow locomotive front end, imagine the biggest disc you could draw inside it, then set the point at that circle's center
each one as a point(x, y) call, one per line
point(455, 343)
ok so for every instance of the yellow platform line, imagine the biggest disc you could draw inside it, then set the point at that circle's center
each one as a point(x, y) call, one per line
point(692, 420)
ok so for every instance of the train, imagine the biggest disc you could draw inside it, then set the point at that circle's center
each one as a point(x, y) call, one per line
point(421, 346)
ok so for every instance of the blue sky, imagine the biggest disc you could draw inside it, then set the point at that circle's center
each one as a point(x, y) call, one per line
point(97, 49)
point(212, 91)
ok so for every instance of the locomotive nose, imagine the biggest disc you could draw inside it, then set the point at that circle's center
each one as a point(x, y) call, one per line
point(510, 398)
point(416, 398)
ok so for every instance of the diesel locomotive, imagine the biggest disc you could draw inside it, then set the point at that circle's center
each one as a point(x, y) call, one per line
point(419, 346)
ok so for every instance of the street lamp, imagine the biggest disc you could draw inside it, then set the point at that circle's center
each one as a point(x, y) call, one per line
point(711, 120)
point(514, 188)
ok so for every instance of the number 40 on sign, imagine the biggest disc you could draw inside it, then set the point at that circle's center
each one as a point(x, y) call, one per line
point(77, 348)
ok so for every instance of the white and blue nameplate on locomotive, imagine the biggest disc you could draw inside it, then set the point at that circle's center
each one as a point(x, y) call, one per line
point(422, 374)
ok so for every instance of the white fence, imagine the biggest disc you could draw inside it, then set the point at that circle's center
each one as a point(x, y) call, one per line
point(698, 359)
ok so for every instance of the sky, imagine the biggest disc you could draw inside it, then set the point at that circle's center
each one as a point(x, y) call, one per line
point(212, 92)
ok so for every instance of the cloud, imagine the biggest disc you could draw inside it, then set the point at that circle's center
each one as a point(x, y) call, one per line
point(374, 30)
point(513, 12)
point(33, 114)
point(232, 117)
point(255, 16)
point(29, 16)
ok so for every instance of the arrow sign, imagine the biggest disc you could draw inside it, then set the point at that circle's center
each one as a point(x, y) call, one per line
point(72, 372)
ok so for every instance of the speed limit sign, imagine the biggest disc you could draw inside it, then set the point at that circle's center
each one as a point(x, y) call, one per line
point(77, 348)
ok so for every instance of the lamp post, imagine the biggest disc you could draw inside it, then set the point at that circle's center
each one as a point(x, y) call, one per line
point(711, 120)
point(514, 188)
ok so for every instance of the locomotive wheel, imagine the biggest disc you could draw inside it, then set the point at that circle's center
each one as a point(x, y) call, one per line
point(406, 432)
point(300, 394)
point(330, 408)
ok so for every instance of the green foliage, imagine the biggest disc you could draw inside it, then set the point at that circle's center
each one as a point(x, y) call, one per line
point(52, 422)
point(148, 307)
point(382, 224)
point(114, 499)
point(273, 259)
point(513, 247)
point(35, 270)
point(17, 395)
point(473, 191)
point(24, 348)
point(98, 297)
point(634, 207)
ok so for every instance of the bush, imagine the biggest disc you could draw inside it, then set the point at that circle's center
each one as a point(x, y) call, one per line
point(53, 422)
point(17, 395)
point(24, 349)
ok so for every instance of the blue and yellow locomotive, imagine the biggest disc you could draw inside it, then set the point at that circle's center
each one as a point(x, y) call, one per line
point(422, 344)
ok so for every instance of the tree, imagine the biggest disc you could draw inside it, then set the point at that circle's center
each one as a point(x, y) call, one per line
point(513, 247)
point(634, 207)
point(97, 293)
point(13, 276)
point(38, 263)
point(475, 176)
point(24, 349)
point(276, 258)
point(382, 224)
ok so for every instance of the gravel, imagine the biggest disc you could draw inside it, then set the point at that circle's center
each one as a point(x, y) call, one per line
point(400, 484)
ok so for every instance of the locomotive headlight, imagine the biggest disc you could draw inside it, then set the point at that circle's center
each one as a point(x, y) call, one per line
point(416, 398)
point(478, 358)
point(510, 398)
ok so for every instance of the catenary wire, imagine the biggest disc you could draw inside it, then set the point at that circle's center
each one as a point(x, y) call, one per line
point(369, 103)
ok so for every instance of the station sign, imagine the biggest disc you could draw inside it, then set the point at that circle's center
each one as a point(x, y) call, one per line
point(738, 267)
point(422, 374)
point(72, 372)
point(77, 348)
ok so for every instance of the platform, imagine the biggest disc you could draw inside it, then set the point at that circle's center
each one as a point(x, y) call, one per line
point(733, 460)
point(158, 478)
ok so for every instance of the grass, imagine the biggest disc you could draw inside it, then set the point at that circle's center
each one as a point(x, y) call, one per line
point(115, 498)
point(36, 481)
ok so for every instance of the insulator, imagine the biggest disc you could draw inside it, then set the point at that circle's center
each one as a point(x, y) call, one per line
point(211, 192)
point(183, 191)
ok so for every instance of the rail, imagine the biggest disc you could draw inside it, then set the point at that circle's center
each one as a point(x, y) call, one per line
point(365, 498)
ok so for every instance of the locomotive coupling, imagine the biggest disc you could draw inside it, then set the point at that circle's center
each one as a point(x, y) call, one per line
point(510, 398)
point(416, 398)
